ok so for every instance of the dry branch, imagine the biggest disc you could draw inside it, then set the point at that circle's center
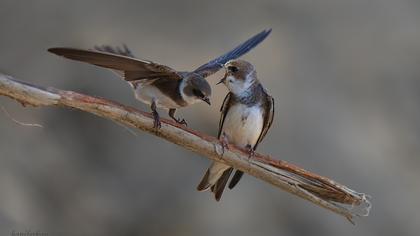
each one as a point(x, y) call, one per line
point(312, 187)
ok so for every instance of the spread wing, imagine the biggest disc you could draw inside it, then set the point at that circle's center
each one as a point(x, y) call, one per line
point(124, 51)
point(116, 50)
point(223, 110)
point(216, 64)
point(268, 119)
point(132, 68)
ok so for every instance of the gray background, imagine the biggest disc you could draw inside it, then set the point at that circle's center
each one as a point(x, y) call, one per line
point(344, 74)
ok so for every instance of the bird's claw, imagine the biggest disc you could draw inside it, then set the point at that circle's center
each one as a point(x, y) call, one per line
point(156, 122)
point(224, 143)
point(251, 151)
point(181, 122)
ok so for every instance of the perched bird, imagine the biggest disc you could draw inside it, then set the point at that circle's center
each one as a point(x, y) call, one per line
point(158, 85)
point(246, 115)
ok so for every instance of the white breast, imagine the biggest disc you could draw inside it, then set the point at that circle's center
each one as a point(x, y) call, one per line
point(243, 125)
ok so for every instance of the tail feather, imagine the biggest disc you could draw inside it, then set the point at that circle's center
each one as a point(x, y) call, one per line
point(215, 179)
point(204, 184)
point(221, 183)
point(235, 179)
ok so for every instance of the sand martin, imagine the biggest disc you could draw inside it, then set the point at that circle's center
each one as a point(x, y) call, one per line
point(158, 85)
point(246, 115)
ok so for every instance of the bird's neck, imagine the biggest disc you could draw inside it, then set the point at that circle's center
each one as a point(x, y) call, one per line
point(250, 94)
point(242, 89)
point(186, 94)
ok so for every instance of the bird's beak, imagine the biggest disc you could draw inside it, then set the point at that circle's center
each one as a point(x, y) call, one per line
point(207, 100)
point(223, 79)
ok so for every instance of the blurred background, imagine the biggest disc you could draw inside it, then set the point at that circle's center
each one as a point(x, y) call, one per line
point(344, 74)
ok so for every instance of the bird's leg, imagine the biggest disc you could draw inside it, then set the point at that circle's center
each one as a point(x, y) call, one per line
point(177, 120)
point(156, 123)
point(251, 151)
point(223, 142)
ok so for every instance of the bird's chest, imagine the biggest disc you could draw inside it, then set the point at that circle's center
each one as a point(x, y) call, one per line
point(243, 124)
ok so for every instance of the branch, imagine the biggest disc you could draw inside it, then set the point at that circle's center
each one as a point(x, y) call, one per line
point(310, 186)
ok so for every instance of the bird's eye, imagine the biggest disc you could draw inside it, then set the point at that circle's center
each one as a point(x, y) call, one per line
point(232, 69)
point(198, 93)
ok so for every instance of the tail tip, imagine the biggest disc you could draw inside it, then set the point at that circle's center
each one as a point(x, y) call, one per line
point(204, 184)
point(203, 187)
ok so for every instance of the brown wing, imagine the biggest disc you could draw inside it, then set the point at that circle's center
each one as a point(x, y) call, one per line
point(268, 119)
point(124, 51)
point(133, 68)
point(223, 111)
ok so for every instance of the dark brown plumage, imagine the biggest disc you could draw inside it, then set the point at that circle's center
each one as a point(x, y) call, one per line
point(133, 68)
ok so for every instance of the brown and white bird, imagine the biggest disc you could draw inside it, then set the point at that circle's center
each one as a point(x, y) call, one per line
point(247, 114)
point(158, 85)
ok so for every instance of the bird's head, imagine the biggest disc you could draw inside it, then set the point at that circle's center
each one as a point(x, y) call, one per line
point(195, 89)
point(239, 76)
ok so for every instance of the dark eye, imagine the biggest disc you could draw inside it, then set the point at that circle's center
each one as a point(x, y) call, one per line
point(232, 69)
point(198, 93)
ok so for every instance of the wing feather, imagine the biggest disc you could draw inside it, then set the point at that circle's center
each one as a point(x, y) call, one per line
point(216, 64)
point(133, 68)
point(223, 110)
point(124, 51)
point(268, 119)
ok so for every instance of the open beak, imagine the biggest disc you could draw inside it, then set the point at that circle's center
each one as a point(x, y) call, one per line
point(223, 79)
point(207, 100)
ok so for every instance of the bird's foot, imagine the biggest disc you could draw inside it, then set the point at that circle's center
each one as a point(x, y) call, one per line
point(251, 151)
point(156, 122)
point(224, 143)
point(181, 122)
point(177, 120)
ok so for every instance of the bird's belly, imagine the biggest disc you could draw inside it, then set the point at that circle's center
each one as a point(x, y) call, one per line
point(243, 125)
point(148, 93)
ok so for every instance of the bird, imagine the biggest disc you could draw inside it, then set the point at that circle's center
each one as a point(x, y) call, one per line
point(247, 114)
point(158, 85)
